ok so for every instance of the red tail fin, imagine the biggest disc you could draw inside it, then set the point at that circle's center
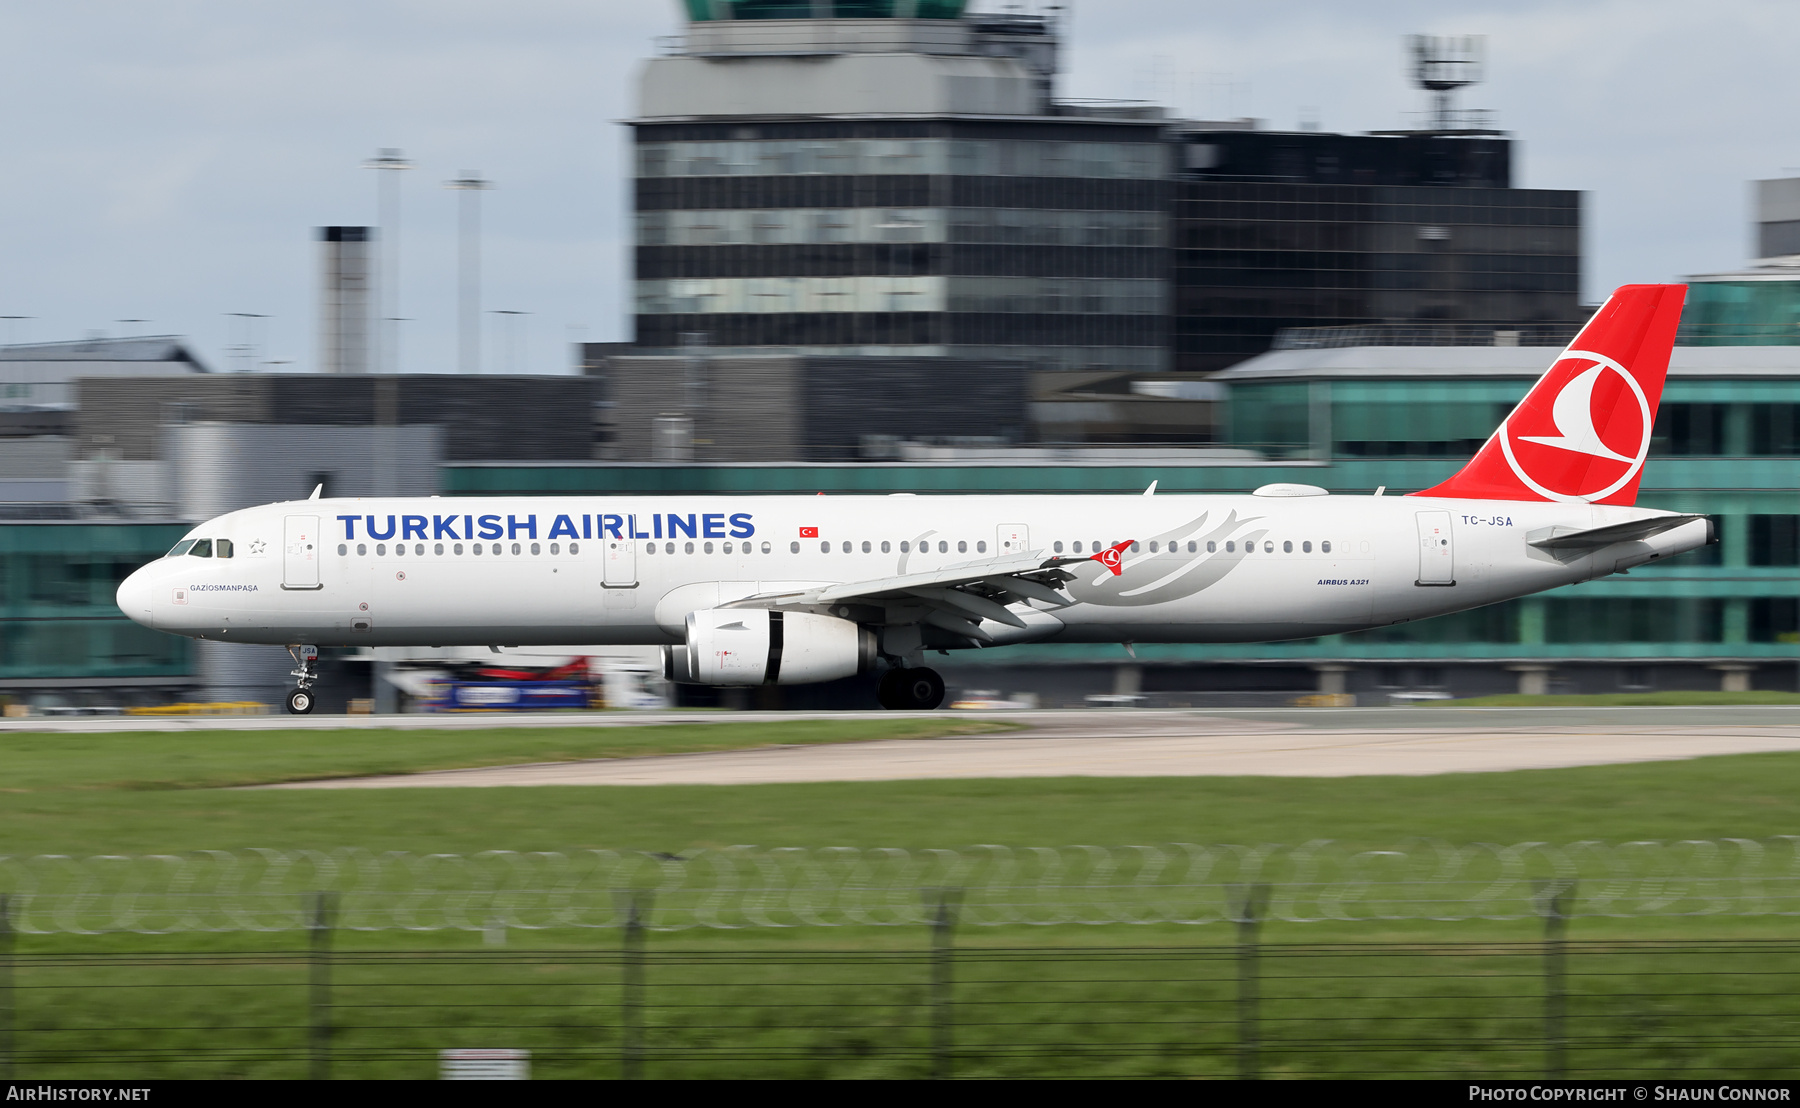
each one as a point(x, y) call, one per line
point(1581, 435)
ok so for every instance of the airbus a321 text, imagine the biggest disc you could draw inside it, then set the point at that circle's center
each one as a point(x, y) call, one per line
point(750, 590)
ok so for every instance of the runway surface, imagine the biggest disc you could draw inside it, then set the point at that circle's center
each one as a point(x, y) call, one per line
point(1181, 743)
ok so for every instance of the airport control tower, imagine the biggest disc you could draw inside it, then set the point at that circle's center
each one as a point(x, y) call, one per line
point(893, 177)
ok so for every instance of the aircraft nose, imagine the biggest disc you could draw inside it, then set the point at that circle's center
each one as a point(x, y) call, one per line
point(134, 597)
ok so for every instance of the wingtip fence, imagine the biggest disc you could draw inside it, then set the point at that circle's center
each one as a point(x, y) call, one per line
point(748, 887)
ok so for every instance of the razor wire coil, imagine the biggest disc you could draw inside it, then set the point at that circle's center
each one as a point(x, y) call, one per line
point(744, 887)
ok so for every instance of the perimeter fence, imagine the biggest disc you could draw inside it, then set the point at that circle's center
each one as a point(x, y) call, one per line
point(752, 888)
point(937, 1003)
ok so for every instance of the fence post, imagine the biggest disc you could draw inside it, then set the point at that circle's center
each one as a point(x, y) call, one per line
point(631, 1001)
point(1555, 900)
point(6, 987)
point(319, 924)
point(1249, 913)
point(943, 979)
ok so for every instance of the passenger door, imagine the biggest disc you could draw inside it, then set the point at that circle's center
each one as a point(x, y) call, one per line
point(1437, 550)
point(300, 553)
point(621, 564)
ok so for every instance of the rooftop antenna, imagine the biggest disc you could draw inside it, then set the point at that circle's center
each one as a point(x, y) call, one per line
point(1440, 65)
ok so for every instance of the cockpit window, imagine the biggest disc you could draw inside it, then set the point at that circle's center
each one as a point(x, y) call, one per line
point(222, 549)
point(180, 548)
point(202, 548)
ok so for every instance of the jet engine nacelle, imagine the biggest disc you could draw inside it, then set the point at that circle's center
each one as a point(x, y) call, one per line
point(754, 646)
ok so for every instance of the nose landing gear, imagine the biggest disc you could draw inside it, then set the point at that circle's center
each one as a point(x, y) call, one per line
point(306, 659)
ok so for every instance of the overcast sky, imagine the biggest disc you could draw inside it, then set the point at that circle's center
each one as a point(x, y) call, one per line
point(168, 162)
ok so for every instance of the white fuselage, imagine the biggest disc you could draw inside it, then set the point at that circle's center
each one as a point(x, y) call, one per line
point(554, 570)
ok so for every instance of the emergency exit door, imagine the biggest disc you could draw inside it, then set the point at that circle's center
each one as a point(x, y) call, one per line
point(300, 553)
point(1437, 549)
point(1012, 538)
point(621, 564)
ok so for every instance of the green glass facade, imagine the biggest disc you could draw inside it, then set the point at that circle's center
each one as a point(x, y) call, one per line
point(1751, 311)
point(58, 620)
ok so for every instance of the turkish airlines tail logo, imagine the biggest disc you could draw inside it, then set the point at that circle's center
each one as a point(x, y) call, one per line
point(1583, 432)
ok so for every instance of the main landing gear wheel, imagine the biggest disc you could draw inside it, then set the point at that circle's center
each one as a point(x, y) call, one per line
point(300, 702)
point(920, 690)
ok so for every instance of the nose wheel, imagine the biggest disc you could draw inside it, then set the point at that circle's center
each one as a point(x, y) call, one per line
point(306, 661)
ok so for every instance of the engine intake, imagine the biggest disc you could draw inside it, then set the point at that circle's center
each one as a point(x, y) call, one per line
point(755, 646)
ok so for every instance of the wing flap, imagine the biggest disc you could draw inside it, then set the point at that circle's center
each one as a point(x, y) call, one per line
point(1033, 575)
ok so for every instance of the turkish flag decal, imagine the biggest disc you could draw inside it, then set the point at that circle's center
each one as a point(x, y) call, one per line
point(809, 532)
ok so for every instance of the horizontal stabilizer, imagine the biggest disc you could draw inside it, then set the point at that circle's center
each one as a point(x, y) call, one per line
point(1580, 542)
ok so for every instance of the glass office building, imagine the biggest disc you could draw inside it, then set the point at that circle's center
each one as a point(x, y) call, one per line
point(1043, 240)
point(61, 634)
point(893, 179)
point(1274, 230)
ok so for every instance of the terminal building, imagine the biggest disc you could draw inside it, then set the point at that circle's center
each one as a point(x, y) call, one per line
point(893, 179)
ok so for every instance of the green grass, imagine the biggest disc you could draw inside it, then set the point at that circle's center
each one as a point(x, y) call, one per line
point(1748, 796)
point(853, 1002)
point(32, 761)
point(1620, 700)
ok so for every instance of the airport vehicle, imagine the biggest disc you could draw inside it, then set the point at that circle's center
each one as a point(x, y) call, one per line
point(798, 589)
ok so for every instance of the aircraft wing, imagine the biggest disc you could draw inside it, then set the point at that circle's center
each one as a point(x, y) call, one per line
point(1580, 542)
point(958, 597)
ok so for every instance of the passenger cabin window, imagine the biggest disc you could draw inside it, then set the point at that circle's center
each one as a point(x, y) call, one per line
point(180, 548)
point(222, 548)
point(1325, 547)
point(1057, 546)
point(202, 548)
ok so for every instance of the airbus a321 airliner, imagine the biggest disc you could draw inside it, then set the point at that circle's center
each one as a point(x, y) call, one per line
point(750, 590)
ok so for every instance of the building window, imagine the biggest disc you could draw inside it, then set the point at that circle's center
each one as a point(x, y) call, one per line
point(1774, 540)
